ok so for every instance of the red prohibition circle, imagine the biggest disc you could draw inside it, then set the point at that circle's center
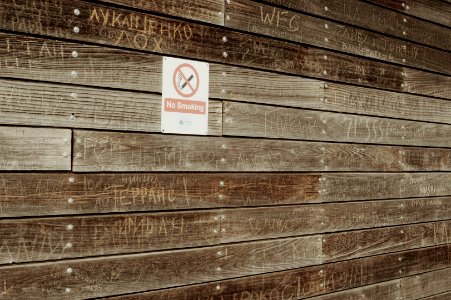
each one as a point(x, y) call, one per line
point(185, 79)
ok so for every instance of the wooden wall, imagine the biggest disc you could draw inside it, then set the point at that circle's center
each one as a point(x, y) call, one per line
point(326, 172)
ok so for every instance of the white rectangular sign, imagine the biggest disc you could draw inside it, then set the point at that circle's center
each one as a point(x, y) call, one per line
point(184, 106)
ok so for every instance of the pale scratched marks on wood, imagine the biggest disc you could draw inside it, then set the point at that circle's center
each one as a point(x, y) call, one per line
point(210, 11)
point(110, 151)
point(281, 23)
point(373, 17)
point(30, 103)
point(252, 120)
point(23, 148)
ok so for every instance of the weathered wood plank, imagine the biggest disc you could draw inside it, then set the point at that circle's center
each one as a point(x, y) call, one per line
point(31, 103)
point(354, 244)
point(210, 11)
point(115, 151)
point(95, 23)
point(252, 120)
point(444, 296)
point(69, 237)
point(425, 83)
point(52, 60)
point(361, 186)
point(34, 194)
point(353, 99)
point(426, 284)
point(432, 10)
point(390, 290)
point(259, 223)
point(24, 148)
point(311, 281)
point(147, 271)
point(375, 18)
point(286, 24)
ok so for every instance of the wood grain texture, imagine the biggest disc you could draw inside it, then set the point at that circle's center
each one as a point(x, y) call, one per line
point(360, 100)
point(425, 83)
point(105, 276)
point(30, 103)
point(26, 57)
point(251, 120)
point(444, 296)
point(38, 194)
point(289, 25)
point(150, 33)
point(210, 11)
point(68, 237)
point(366, 186)
point(375, 18)
point(35, 194)
point(259, 223)
point(311, 281)
point(114, 151)
point(361, 243)
point(24, 148)
point(432, 10)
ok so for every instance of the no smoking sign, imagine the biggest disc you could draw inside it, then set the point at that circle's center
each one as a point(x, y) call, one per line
point(185, 96)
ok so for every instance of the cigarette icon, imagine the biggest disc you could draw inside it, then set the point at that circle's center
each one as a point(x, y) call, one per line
point(186, 82)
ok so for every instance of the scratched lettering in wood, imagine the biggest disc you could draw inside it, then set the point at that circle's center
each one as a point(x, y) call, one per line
point(275, 122)
point(29, 103)
point(376, 18)
point(69, 237)
point(35, 194)
point(210, 11)
point(354, 244)
point(310, 281)
point(24, 148)
point(133, 273)
point(28, 57)
point(282, 221)
point(347, 98)
point(113, 151)
point(119, 27)
point(366, 186)
point(432, 10)
point(281, 23)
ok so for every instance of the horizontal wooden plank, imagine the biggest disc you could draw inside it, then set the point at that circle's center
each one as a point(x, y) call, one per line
point(375, 18)
point(360, 100)
point(425, 83)
point(408, 288)
point(444, 296)
point(24, 240)
point(95, 23)
point(24, 148)
point(390, 290)
point(115, 151)
point(361, 243)
point(272, 21)
point(34, 58)
point(361, 186)
point(426, 284)
point(210, 11)
point(252, 120)
point(132, 273)
point(432, 10)
point(36, 194)
point(31, 103)
point(311, 281)
point(260, 223)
